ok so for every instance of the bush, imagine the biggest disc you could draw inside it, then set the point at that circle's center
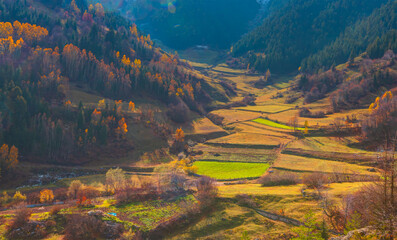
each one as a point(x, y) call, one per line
point(276, 179)
point(80, 227)
point(216, 119)
point(315, 181)
point(18, 197)
point(61, 194)
point(21, 228)
point(21, 218)
point(33, 198)
point(305, 112)
point(55, 210)
point(179, 112)
point(246, 200)
point(206, 191)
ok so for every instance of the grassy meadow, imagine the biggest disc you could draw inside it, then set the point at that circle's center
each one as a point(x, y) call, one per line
point(231, 170)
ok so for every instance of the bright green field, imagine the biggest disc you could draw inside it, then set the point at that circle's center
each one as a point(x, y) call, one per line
point(231, 170)
point(274, 124)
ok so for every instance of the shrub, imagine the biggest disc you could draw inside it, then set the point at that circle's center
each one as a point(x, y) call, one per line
point(246, 200)
point(80, 227)
point(18, 197)
point(206, 191)
point(276, 179)
point(61, 194)
point(216, 119)
point(315, 181)
point(21, 218)
point(179, 112)
point(21, 228)
point(55, 210)
point(305, 112)
point(89, 192)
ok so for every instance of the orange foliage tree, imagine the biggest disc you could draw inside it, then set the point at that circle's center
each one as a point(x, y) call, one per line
point(131, 106)
point(46, 196)
point(122, 128)
point(179, 135)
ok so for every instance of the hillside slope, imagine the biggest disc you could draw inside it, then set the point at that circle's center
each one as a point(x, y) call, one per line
point(302, 28)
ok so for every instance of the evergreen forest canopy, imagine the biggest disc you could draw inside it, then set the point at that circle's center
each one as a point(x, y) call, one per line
point(186, 23)
point(316, 34)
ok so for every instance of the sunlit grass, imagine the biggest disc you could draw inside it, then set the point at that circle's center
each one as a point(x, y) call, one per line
point(274, 124)
point(231, 170)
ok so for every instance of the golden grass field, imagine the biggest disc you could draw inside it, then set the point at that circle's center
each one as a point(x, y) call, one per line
point(266, 108)
point(204, 126)
point(285, 117)
point(253, 127)
point(250, 139)
point(329, 144)
point(304, 164)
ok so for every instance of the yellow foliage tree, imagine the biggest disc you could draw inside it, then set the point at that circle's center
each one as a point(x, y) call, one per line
point(18, 197)
point(101, 104)
point(185, 165)
point(306, 131)
point(46, 196)
point(8, 157)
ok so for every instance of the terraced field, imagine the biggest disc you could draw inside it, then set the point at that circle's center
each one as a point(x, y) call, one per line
point(231, 170)
point(270, 123)
point(249, 140)
point(261, 134)
point(304, 164)
point(266, 108)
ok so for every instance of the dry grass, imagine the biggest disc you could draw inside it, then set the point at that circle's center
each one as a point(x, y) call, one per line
point(255, 127)
point(212, 149)
point(298, 163)
point(329, 144)
point(333, 189)
point(252, 139)
point(239, 157)
point(204, 126)
point(266, 108)
point(285, 117)
point(232, 116)
point(230, 221)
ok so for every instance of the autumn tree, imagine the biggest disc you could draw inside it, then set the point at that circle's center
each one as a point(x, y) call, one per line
point(8, 159)
point(122, 128)
point(101, 104)
point(74, 187)
point(99, 10)
point(46, 196)
point(131, 106)
point(179, 135)
point(115, 180)
point(306, 131)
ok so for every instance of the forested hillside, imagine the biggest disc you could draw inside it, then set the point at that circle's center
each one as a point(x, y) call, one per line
point(186, 23)
point(303, 28)
point(44, 52)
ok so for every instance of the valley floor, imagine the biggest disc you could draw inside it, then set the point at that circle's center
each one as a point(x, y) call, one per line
point(253, 141)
